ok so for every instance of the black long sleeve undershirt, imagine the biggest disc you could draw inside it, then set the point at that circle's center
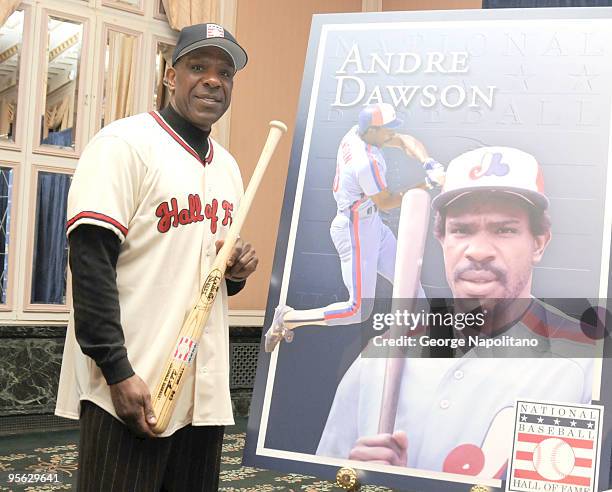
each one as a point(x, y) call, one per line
point(94, 251)
point(93, 260)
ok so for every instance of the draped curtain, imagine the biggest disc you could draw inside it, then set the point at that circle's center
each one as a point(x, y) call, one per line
point(6, 185)
point(164, 61)
point(50, 251)
point(58, 116)
point(119, 97)
point(7, 114)
point(183, 13)
point(7, 7)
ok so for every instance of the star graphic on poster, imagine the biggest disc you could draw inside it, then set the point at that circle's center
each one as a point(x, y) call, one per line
point(557, 421)
point(540, 420)
point(590, 425)
point(573, 423)
point(524, 418)
point(584, 79)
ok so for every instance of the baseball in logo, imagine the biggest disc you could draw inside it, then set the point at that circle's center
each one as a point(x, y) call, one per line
point(491, 165)
point(214, 31)
point(555, 444)
point(185, 350)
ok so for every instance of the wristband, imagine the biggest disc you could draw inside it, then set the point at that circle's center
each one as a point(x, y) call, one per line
point(430, 164)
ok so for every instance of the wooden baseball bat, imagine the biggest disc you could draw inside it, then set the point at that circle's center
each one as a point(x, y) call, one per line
point(183, 353)
point(411, 236)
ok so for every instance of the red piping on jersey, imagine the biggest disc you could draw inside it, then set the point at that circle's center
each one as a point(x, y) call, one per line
point(547, 330)
point(356, 269)
point(100, 217)
point(182, 143)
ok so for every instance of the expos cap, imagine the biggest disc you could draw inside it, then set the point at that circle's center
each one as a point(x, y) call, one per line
point(381, 114)
point(200, 35)
point(503, 169)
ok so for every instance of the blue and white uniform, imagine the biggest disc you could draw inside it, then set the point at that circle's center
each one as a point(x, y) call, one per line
point(436, 396)
point(365, 245)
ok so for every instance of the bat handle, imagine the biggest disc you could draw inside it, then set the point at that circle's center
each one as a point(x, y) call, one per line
point(277, 129)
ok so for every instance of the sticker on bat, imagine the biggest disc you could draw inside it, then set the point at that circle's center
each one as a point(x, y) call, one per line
point(185, 350)
point(210, 289)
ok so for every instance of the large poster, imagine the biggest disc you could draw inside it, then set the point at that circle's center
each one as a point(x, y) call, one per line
point(517, 102)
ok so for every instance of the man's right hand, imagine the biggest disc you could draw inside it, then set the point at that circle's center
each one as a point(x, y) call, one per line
point(386, 449)
point(132, 401)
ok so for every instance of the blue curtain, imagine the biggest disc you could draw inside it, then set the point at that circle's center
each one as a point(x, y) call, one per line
point(50, 251)
point(507, 4)
point(6, 184)
point(62, 138)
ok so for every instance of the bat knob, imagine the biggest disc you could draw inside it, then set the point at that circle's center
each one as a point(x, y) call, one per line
point(279, 124)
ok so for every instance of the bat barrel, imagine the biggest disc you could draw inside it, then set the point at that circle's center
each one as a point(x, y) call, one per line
point(411, 237)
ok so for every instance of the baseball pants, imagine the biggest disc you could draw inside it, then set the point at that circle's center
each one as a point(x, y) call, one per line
point(111, 459)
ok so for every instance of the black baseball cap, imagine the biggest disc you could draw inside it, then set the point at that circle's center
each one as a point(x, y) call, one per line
point(200, 35)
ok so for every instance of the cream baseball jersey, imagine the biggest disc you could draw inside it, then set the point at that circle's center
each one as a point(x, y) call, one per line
point(360, 171)
point(141, 180)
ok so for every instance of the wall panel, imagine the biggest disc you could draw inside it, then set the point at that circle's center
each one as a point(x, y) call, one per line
point(275, 36)
point(391, 5)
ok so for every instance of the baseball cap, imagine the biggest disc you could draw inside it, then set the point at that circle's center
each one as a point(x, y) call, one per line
point(503, 169)
point(380, 114)
point(200, 35)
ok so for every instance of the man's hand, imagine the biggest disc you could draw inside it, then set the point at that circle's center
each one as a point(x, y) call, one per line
point(413, 147)
point(242, 261)
point(386, 449)
point(132, 401)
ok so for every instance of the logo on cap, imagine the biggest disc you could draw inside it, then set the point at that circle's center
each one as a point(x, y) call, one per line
point(490, 165)
point(214, 31)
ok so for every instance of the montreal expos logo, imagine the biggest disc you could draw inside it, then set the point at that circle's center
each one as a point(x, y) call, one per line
point(490, 165)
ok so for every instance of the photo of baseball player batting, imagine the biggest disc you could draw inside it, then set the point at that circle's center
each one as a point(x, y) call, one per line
point(512, 226)
point(365, 245)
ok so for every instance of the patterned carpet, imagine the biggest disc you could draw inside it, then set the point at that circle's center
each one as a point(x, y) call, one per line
point(56, 453)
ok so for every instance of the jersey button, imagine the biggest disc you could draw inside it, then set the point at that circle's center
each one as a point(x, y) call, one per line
point(204, 370)
point(444, 404)
point(458, 375)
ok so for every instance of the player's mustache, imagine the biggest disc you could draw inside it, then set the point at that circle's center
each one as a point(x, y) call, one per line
point(481, 266)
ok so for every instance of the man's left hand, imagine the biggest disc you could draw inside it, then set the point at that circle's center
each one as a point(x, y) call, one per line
point(242, 261)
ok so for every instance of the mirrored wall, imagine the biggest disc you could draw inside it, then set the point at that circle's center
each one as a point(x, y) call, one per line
point(50, 253)
point(67, 69)
point(135, 6)
point(163, 60)
point(11, 40)
point(6, 208)
point(59, 118)
point(121, 58)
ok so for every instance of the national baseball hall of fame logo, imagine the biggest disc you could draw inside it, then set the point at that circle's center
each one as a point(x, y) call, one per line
point(555, 447)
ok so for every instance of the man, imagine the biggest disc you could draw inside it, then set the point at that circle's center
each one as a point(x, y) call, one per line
point(365, 245)
point(151, 201)
point(455, 415)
